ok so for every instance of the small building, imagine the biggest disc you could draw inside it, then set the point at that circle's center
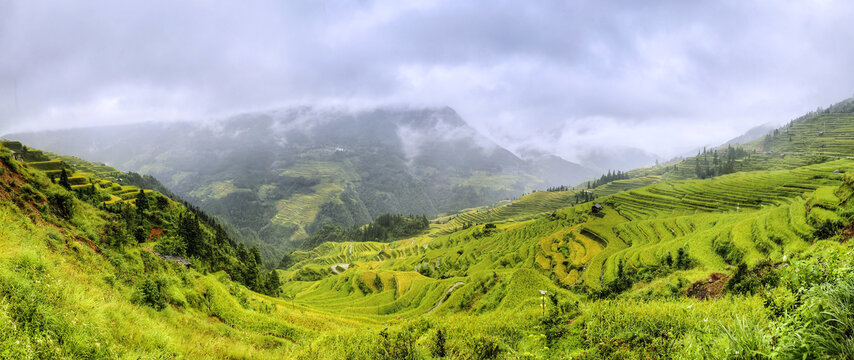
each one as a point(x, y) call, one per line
point(17, 156)
point(176, 259)
point(597, 207)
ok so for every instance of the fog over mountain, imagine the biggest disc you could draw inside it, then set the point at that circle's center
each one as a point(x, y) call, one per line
point(279, 176)
point(574, 79)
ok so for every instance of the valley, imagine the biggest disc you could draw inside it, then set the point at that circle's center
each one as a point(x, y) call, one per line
point(715, 256)
point(278, 176)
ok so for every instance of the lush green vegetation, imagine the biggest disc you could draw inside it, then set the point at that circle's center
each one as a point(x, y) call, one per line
point(385, 228)
point(276, 181)
point(751, 260)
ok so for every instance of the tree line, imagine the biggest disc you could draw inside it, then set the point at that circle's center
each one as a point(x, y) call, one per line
point(606, 178)
point(720, 164)
point(385, 228)
point(187, 232)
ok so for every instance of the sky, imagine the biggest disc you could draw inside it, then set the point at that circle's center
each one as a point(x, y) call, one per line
point(562, 77)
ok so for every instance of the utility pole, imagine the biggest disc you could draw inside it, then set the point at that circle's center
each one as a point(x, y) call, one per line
point(543, 300)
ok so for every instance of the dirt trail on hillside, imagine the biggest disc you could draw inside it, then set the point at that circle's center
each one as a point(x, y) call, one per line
point(342, 265)
point(446, 296)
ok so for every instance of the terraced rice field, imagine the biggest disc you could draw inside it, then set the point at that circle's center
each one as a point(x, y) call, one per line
point(747, 216)
point(83, 174)
point(826, 134)
point(527, 207)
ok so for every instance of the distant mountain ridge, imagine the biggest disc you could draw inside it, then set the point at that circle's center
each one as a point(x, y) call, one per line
point(280, 175)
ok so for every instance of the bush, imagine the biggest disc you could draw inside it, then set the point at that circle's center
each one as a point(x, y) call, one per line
point(11, 164)
point(728, 251)
point(486, 347)
point(171, 245)
point(827, 229)
point(438, 349)
point(151, 294)
point(364, 288)
point(824, 325)
point(398, 346)
point(750, 281)
point(378, 283)
point(62, 203)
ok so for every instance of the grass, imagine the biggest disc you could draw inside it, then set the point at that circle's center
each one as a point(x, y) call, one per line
point(610, 291)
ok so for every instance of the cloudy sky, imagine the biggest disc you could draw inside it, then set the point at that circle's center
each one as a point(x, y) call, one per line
point(561, 76)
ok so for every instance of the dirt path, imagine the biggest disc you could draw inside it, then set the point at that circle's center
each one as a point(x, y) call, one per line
point(446, 296)
point(335, 267)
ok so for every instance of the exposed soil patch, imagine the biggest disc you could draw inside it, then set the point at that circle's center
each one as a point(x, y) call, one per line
point(709, 288)
point(155, 234)
point(848, 232)
point(89, 242)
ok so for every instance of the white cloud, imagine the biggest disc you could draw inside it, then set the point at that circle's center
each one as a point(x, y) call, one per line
point(664, 77)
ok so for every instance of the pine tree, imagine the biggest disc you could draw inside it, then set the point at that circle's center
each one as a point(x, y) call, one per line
point(63, 180)
point(273, 283)
point(141, 202)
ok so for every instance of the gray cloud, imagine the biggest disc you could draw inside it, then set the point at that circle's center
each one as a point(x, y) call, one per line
point(557, 76)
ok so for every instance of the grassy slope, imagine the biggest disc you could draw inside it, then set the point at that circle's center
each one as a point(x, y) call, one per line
point(757, 215)
point(543, 241)
point(65, 293)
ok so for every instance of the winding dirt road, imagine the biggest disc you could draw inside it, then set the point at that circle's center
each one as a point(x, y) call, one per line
point(446, 296)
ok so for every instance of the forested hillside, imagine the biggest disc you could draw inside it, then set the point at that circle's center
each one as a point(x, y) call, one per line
point(728, 253)
point(734, 251)
point(280, 176)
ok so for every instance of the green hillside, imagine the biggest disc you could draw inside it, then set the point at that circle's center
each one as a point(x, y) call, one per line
point(293, 171)
point(731, 254)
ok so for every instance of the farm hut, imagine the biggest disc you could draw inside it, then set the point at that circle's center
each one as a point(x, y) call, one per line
point(597, 207)
point(176, 259)
point(17, 156)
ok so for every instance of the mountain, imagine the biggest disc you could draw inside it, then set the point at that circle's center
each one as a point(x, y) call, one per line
point(728, 252)
point(279, 176)
point(750, 135)
point(618, 158)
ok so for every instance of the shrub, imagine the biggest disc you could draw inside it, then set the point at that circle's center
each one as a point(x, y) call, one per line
point(62, 203)
point(486, 347)
point(151, 294)
point(171, 245)
point(824, 325)
point(728, 251)
point(398, 346)
point(827, 229)
point(438, 349)
point(378, 283)
point(12, 164)
point(750, 281)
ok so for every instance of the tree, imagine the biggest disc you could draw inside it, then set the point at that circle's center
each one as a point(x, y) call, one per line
point(439, 346)
point(273, 283)
point(188, 228)
point(682, 260)
point(63, 180)
point(139, 234)
point(141, 202)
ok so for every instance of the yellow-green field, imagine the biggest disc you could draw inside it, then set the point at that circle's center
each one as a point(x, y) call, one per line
point(617, 280)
